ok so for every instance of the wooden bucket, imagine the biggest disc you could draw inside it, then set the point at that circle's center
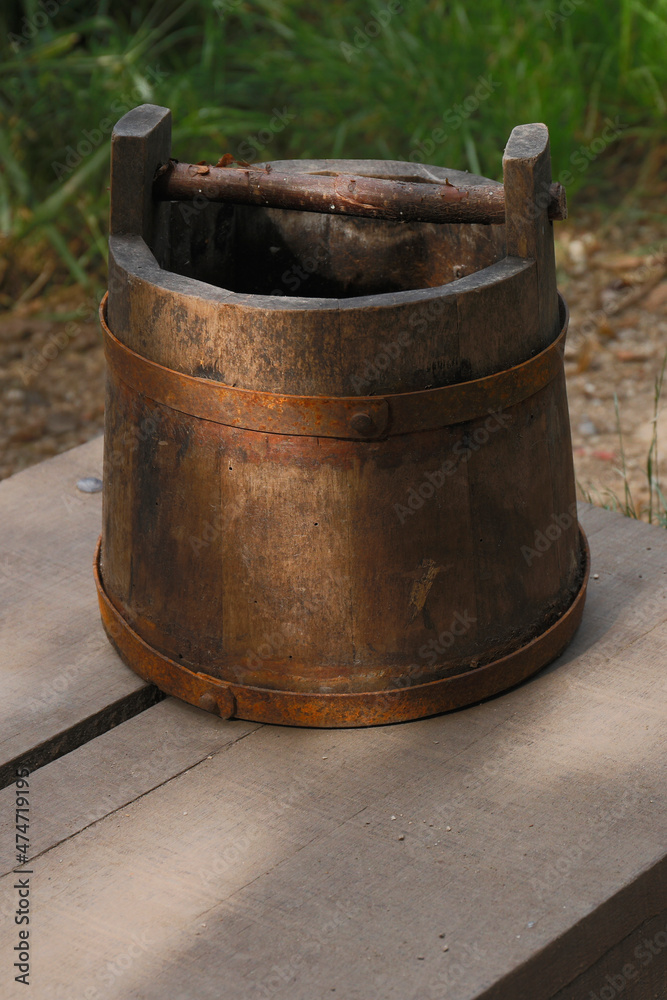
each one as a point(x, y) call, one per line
point(338, 484)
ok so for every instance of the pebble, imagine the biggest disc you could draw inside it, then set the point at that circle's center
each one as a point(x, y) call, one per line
point(596, 576)
point(448, 828)
point(446, 947)
point(401, 836)
point(89, 484)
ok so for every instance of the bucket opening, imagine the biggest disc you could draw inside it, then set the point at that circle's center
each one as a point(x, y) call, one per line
point(269, 251)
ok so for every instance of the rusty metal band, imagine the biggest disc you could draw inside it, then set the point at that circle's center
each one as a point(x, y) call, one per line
point(363, 418)
point(372, 708)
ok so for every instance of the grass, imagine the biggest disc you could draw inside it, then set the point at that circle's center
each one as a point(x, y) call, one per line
point(362, 79)
point(442, 82)
point(656, 509)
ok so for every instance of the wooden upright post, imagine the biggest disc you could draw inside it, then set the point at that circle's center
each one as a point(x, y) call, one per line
point(529, 231)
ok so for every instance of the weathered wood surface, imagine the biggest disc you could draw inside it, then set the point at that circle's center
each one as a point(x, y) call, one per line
point(321, 523)
point(341, 193)
point(61, 682)
point(275, 869)
point(528, 229)
point(112, 773)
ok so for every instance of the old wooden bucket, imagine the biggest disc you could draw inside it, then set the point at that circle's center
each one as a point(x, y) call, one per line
point(338, 483)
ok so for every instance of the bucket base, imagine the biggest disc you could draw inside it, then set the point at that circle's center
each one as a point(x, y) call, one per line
point(371, 708)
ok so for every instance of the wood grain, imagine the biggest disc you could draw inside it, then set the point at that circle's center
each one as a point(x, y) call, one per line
point(61, 682)
point(276, 867)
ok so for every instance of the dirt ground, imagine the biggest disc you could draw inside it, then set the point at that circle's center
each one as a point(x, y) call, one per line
point(612, 273)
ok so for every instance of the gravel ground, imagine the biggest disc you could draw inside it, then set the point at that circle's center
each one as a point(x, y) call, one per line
point(612, 275)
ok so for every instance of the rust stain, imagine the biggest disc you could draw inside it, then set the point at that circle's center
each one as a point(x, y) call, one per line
point(345, 417)
point(315, 708)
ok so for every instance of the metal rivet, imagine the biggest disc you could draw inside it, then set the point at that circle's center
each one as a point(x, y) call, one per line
point(363, 423)
point(89, 484)
point(208, 702)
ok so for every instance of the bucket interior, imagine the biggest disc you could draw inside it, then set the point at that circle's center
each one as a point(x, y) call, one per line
point(268, 251)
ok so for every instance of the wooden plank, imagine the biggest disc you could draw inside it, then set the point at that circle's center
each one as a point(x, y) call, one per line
point(116, 768)
point(529, 830)
point(62, 683)
point(636, 967)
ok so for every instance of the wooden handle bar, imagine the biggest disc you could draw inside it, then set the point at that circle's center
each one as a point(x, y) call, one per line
point(345, 194)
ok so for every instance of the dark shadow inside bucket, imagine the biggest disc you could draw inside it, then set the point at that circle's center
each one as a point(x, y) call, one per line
point(267, 251)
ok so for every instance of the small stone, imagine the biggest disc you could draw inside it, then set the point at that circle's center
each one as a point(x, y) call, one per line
point(596, 576)
point(445, 947)
point(531, 923)
point(89, 484)
point(325, 758)
point(420, 958)
point(442, 934)
point(393, 817)
point(401, 836)
point(448, 829)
